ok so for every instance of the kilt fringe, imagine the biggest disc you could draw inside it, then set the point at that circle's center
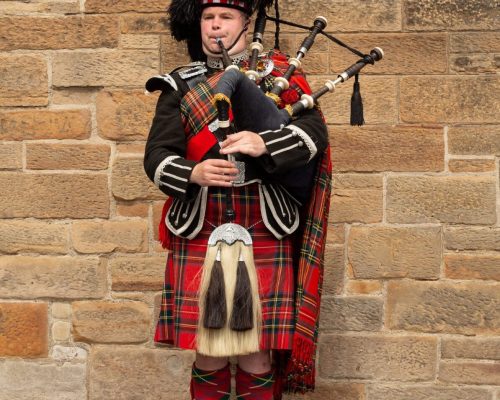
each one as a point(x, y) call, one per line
point(227, 341)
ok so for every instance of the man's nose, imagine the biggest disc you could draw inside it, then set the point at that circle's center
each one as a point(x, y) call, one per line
point(216, 23)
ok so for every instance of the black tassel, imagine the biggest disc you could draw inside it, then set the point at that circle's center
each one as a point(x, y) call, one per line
point(242, 315)
point(357, 117)
point(215, 303)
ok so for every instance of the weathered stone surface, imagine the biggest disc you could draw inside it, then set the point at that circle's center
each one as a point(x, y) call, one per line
point(377, 109)
point(21, 380)
point(111, 322)
point(356, 287)
point(124, 115)
point(11, 155)
point(45, 124)
point(144, 23)
point(473, 348)
point(475, 42)
point(54, 196)
point(403, 53)
point(384, 15)
point(473, 63)
point(333, 280)
point(132, 210)
point(136, 147)
point(138, 41)
point(380, 358)
point(77, 95)
point(108, 236)
point(73, 32)
point(130, 182)
point(460, 99)
point(132, 273)
point(61, 331)
point(453, 199)
point(67, 354)
point(356, 198)
point(452, 15)
point(54, 277)
point(472, 266)
point(469, 372)
point(466, 165)
point(60, 310)
point(386, 148)
point(24, 81)
point(113, 6)
point(439, 307)
point(151, 375)
point(23, 330)
point(33, 236)
point(40, 6)
point(325, 389)
point(474, 140)
point(67, 156)
point(336, 233)
point(426, 393)
point(473, 238)
point(382, 252)
point(104, 68)
point(173, 53)
point(351, 313)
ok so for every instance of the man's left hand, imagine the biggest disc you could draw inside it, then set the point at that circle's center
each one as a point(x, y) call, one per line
point(244, 142)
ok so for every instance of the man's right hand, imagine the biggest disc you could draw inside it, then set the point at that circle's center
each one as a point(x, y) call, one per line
point(214, 172)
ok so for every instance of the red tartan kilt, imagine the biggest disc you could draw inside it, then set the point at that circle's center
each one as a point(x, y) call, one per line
point(273, 260)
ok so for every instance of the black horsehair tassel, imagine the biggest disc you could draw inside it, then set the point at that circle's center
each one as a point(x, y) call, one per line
point(242, 315)
point(357, 117)
point(215, 302)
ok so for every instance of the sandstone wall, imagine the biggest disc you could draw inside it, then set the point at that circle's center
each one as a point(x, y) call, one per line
point(411, 304)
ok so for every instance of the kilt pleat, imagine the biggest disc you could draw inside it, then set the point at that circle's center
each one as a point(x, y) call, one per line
point(178, 319)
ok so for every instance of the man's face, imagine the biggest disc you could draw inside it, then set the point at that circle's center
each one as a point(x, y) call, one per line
point(225, 23)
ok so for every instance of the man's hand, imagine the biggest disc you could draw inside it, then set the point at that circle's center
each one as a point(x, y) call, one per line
point(214, 172)
point(244, 142)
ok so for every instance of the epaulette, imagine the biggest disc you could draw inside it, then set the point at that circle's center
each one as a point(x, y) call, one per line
point(161, 82)
point(191, 74)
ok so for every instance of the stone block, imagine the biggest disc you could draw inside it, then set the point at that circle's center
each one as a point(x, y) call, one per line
point(336, 233)
point(403, 53)
point(34, 237)
point(130, 182)
point(384, 15)
point(472, 238)
point(104, 68)
point(61, 310)
point(173, 53)
point(76, 95)
point(112, 6)
point(448, 99)
point(45, 124)
point(152, 375)
point(26, 277)
point(473, 63)
point(111, 322)
point(451, 199)
point(110, 236)
point(475, 42)
point(472, 266)
point(140, 274)
point(332, 390)
point(474, 373)
point(67, 354)
point(333, 280)
point(24, 81)
point(144, 23)
point(39, 6)
point(356, 198)
point(439, 307)
point(67, 156)
point(383, 252)
point(54, 195)
point(131, 148)
point(61, 331)
point(454, 15)
point(351, 313)
point(21, 380)
point(23, 330)
point(480, 348)
point(357, 287)
point(377, 108)
point(140, 41)
point(52, 33)
point(132, 210)
point(377, 358)
point(428, 392)
point(468, 165)
point(474, 139)
point(386, 148)
point(124, 115)
point(11, 156)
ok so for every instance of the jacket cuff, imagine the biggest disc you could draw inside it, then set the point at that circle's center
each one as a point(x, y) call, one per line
point(172, 177)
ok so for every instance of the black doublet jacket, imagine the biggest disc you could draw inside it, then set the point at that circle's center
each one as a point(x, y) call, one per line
point(291, 150)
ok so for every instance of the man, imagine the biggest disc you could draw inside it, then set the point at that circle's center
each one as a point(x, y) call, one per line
point(186, 161)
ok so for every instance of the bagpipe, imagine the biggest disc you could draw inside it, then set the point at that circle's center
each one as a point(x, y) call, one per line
point(230, 311)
